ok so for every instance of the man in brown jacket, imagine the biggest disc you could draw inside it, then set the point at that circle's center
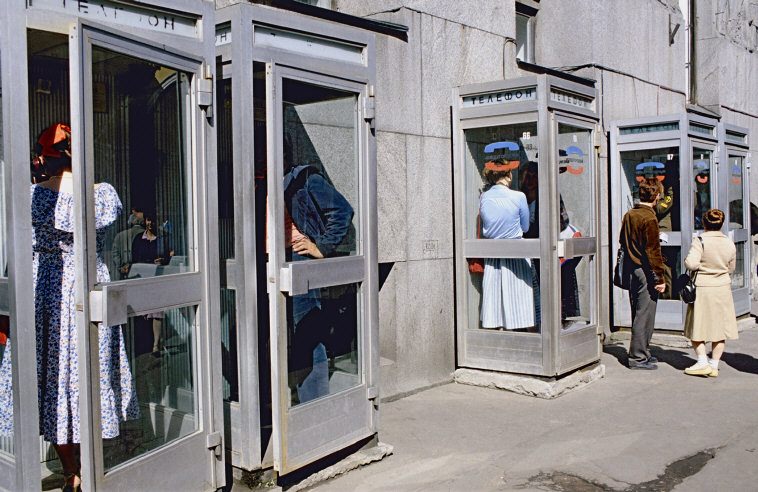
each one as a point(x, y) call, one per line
point(640, 237)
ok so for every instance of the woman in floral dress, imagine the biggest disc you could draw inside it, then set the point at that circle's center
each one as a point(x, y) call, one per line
point(55, 313)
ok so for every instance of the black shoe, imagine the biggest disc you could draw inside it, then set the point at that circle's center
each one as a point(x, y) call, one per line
point(647, 365)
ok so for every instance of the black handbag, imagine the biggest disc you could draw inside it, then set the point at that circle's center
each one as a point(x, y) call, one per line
point(621, 276)
point(687, 291)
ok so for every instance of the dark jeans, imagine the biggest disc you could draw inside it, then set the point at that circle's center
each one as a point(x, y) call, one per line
point(644, 299)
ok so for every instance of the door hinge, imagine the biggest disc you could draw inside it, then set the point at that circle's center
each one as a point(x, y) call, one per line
point(369, 108)
point(205, 94)
point(213, 441)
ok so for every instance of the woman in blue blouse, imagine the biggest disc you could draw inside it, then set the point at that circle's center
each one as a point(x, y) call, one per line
point(508, 283)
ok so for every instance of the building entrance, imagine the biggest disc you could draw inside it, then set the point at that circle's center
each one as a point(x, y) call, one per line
point(526, 225)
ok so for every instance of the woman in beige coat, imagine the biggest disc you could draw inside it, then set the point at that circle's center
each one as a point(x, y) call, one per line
point(711, 318)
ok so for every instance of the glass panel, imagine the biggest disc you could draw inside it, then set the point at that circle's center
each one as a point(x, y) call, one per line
point(6, 383)
point(321, 172)
point(141, 140)
point(662, 164)
point(160, 403)
point(323, 342)
point(672, 268)
point(736, 192)
point(226, 240)
point(738, 276)
point(501, 202)
point(576, 211)
point(701, 169)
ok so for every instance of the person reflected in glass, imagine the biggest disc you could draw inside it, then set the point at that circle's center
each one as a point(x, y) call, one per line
point(121, 249)
point(507, 283)
point(150, 249)
point(702, 192)
point(711, 318)
point(317, 223)
point(52, 204)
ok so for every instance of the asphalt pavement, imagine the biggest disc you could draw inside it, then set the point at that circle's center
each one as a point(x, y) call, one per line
point(630, 431)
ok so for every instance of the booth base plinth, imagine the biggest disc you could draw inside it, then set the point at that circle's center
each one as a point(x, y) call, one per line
point(358, 459)
point(531, 385)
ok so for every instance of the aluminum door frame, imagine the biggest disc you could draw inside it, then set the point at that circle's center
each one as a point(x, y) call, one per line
point(534, 349)
point(669, 313)
point(237, 49)
point(540, 110)
point(23, 472)
point(578, 347)
point(361, 268)
point(203, 446)
point(731, 147)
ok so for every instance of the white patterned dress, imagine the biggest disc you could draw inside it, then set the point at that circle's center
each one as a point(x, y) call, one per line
point(55, 319)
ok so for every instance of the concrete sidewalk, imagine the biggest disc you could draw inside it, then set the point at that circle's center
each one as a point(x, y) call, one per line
point(632, 431)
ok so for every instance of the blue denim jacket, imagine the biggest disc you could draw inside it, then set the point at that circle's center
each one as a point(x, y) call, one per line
point(318, 210)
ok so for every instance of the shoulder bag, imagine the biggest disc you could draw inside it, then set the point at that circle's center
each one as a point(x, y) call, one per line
point(621, 276)
point(688, 291)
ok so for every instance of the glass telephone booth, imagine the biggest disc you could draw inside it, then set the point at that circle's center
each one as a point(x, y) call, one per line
point(527, 295)
point(698, 170)
point(295, 98)
point(123, 244)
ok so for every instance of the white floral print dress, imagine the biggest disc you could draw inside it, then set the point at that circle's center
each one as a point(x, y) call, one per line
point(55, 319)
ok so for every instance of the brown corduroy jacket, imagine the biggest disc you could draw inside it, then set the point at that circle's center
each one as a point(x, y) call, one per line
point(640, 237)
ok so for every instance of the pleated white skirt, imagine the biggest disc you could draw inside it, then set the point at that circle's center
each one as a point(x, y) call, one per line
point(509, 291)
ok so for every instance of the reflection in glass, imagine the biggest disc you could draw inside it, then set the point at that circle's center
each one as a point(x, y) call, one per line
point(576, 208)
point(738, 275)
point(662, 164)
point(701, 169)
point(320, 171)
point(502, 203)
point(321, 220)
point(141, 139)
point(164, 382)
point(323, 327)
point(735, 192)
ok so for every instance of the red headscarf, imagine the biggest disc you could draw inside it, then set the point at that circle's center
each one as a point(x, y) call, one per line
point(50, 140)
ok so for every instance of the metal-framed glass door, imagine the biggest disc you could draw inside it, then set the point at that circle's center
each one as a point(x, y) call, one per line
point(143, 252)
point(682, 152)
point(577, 240)
point(321, 240)
point(644, 149)
point(493, 336)
point(734, 193)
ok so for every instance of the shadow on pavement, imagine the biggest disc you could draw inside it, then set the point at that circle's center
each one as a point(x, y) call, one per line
point(741, 362)
point(674, 358)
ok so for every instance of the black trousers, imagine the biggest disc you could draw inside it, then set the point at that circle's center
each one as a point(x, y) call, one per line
point(644, 299)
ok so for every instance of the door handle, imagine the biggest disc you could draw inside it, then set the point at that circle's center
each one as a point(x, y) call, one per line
point(298, 277)
point(108, 305)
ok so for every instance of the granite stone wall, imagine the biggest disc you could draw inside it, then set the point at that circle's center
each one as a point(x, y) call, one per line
point(640, 70)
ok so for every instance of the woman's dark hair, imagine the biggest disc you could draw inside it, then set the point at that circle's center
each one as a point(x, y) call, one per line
point(649, 189)
point(492, 176)
point(55, 166)
point(713, 219)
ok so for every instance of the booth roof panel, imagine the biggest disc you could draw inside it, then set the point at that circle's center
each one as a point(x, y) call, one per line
point(382, 27)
